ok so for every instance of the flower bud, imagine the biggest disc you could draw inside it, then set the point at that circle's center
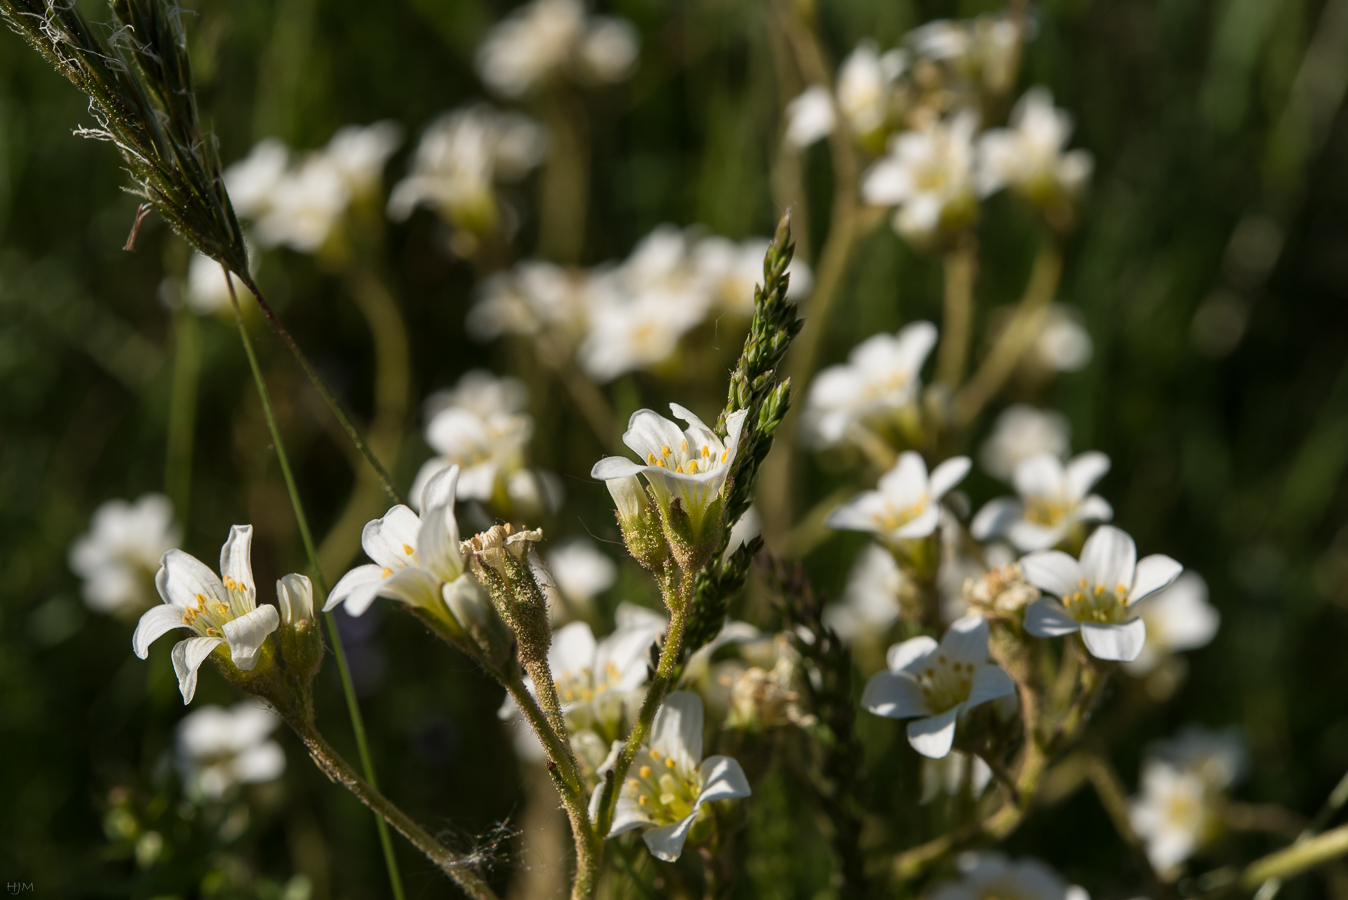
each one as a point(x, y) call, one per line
point(301, 642)
point(638, 521)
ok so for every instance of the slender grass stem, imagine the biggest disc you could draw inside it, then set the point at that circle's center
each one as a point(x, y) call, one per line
point(302, 521)
point(961, 269)
point(182, 411)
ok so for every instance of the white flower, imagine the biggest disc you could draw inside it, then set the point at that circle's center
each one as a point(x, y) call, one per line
point(217, 748)
point(1054, 499)
point(580, 572)
point(870, 602)
point(990, 874)
point(747, 527)
point(207, 292)
point(732, 271)
point(1029, 156)
point(691, 464)
point(670, 781)
point(1173, 815)
point(906, 503)
point(982, 50)
point(119, 554)
point(1218, 757)
point(936, 684)
point(865, 86)
point(359, 154)
point(880, 378)
point(479, 425)
point(1063, 344)
point(417, 560)
point(1021, 432)
point(1097, 593)
point(949, 774)
point(305, 206)
point(1177, 618)
point(929, 176)
point(810, 116)
point(629, 334)
point(218, 611)
point(252, 180)
point(532, 297)
point(547, 38)
point(462, 154)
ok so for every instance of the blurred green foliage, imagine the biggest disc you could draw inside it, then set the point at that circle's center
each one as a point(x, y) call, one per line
point(1210, 266)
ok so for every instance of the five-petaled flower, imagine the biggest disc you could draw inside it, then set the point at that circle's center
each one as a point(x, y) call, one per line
point(1054, 499)
point(670, 782)
point(219, 609)
point(1097, 593)
point(936, 684)
point(417, 560)
point(906, 504)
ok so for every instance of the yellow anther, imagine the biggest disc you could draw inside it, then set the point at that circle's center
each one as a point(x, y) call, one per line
point(706, 452)
point(683, 445)
point(665, 451)
point(386, 572)
point(661, 464)
point(645, 773)
point(724, 454)
point(632, 782)
point(650, 459)
point(669, 761)
point(692, 466)
point(230, 583)
point(1082, 582)
point(201, 599)
point(1121, 590)
point(643, 800)
point(655, 754)
point(407, 548)
point(221, 608)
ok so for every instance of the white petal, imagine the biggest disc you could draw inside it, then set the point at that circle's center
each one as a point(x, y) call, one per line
point(362, 580)
point(677, 729)
point(259, 764)
point(1084, 471)
point(722, 779)
point(934, 736)
point(627, 812)
point(1121, 643)
point(995, 518)
point(948, 474)
point(1053, 572)
point(188, 656)
point(906, 484)
point(912, 654)
point(236, 557)
point(441, 489)
point(438, 540)
point(246, 634)
point(182, 578)
point(572, 652)
point(1041, 475)
point(863, 512)
point(913, 343)
point(415, 587)
point(990, 683)
point(153, 624)
point(648, 433)
point(894, 696)
point(1030, 536)
point(667, 843)
point(611, 467)
point(1109, 558)
point(1048, 618)
point(391, 541)
point(1153, 573)
point(920, 526)
point(966, 640)
point(1094, 508)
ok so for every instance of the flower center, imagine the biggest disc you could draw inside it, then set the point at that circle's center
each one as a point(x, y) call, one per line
point(895, 518)
point(209, 616)
point(1097, 603)
point(945, 684)
point(1048, 511)
point(688, 460)
point(665, 790)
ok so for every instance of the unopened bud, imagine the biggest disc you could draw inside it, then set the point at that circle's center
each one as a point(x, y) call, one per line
point(639, 522)
point(301, 642)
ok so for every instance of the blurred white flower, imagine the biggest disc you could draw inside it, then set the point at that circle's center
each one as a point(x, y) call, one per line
point(546, 39)
point(870, 603)
point(732, 271)
point(360, 152)
point(416, 560)
point(987, 874)
point(461, 157)
point(219, 609)
point(1064, 344)
point(118, 556)
point(865, 87)
point(928, 175)
point(949, 775)
point(982, 50)
point(1177, 618)
point(580, 572)
point(1098, 594)
point(936, 684)
point(1030, 157)
point(670, 781)
point(1218, 757)
point(532, 297)
point(882, 376)
point(1054, 499)
point(906, 503)
point(810, 117)
point(206, 291)
point(1021, 432)
point(252, 180)
point(305, 206)
point(480, 426)
point(1173, 814)
point(217, 748)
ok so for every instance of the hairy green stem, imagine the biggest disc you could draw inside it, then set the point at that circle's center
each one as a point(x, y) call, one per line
point(302, 521)
point(182, 411)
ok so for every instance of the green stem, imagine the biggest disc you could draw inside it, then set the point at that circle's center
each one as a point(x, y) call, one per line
point(182, 411)
point(357, 723)
point(961, 265)
point(322, 389)
point(1297, 858)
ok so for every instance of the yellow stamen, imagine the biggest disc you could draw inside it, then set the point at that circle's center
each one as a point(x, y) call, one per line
point(706, 452)
point(408, 549)
point(683, 445)
point(669, 761)
point(665, 451)
point(643, 800)
point(386, 573)
point(645, 773)
point(692, 466)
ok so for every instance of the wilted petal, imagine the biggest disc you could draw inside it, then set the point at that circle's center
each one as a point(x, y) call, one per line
point(934, 736)
point(1121, 643)
point(153, 624)
point(1048, 618)
point(188, 656)
point(246, 634)
point(894, 696)
point(1053, 572)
